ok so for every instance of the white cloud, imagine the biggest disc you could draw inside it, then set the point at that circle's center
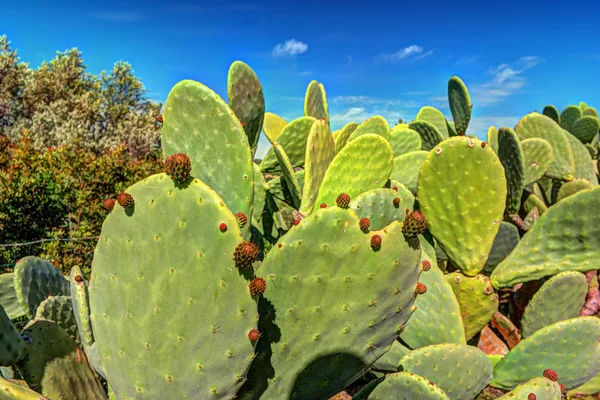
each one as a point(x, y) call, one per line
point(413, 52)
point(289, 48)
point(506, 80)
point(345, 109)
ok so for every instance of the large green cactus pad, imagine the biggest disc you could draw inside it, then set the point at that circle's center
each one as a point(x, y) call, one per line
point(511, 156)
point(391, 359)
point(273, 124)
point(437, 318)
point(462, 192)
point(341, 139)
point(319, 153)
point(293, 138)
point(59, 309)
point(407, 386)
point(56, 367)
point(430, 135)
point(565, 238)
point(374, 125)
point(590, 387)
point(364, 164)
point(477, 299)
point(337, 304)
point(569, 289)
point(542, 388)
point(570, 188)
point(460, 104)
point(434, 116)
point(584, 165)
point(406, 169)
point(246, 100)
point(378, 206)
point(570, 347)
point(315, 101)
point(8, 296)
point(569, 116)
point(536, 125)
point(34, 280)
point(586, 128)
point(461, 371)
point(538, 158)
point(169, 309)
point(404, 141)
point(12, 346)
point(9, 390)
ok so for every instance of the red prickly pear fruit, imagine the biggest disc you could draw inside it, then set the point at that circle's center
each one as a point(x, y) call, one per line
point(243, 124)
point(245, 254)
point(395, 188)
point(125, 200)
point(396, 202)
point(364, 224)
point(343, 200)
point(223, 227)
point(108, 204)
point(160, 119)
point(483, 144)
point(414, 224)
point(242, 219)
point(531, 396)
point(178, 167)
point(376, 242)
point(562, 387)
point(426, 265)
point(420, 288)
point(78, 278)
point(253, 335)
point(257, 286)
point(323, 205)
point(550, 374)
point(296, 221)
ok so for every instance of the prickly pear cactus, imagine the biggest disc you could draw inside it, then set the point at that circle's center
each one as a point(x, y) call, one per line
point(552, 112)
point(584, 166)
point(569, 289)
point(511, 156)
point(430, 135)
point(315, 101)
point(59, 309)
point(288, 174)
point(505, 241)
point(341, 139)
point(199, 123)
point(36, 279)
point(569, 116)
point(375, 125)
point(538, 157)
point(12, 346)
point(11, 390)
point(381, 207)
point(404, 141)
point(390, 361)
point(460, 104)
point(461, 371)
point(81, 306)
point(542, 387)
point(327, 319)
point(8, 296)
point(435, 117)
point(273, 124)
point(293, 138)
point(406, 169)
point(570, 188)
point(462, 192)
point(405, 385)
point(565, 238)
point(158, 267)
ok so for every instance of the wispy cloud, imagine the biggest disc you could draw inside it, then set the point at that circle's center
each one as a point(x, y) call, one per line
point(289, 48)
point(345, 109)
point(439, 102)
point(507, 80)
point(119, 16)
point(413, 52)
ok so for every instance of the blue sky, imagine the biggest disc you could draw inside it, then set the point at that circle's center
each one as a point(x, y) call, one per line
point(374, 57)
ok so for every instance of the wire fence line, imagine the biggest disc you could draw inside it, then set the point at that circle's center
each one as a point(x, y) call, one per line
point(19, 250)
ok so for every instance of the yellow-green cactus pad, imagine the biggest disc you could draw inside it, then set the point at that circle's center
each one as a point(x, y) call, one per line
point(434, 116)
point(407, 386)
point(404, 141)
point(511, 156)
point(363, 164)
point(8, 296)
point(492, 137)
point(570, 347)
point(430, 134)
point(12, 346)
point(375, 125)
point(273, 124)
point(584, 165)
point(565, 238)
point(378, 205)
point(259, 194)
point(341, 139)
point(534, 201)
point(477, 299)
point(11, 390)
point(570, 188)
point(437, 317)
point(461, 371)
point(406, 169)
point(590, 387)
point(319, 153)
point(462, 192)
point(293, 138)
point(536, 125)
point(390, 361)
point(315, 101)
point(288, 174)
point(542, 388)
point(567, 289)
point(538, 158)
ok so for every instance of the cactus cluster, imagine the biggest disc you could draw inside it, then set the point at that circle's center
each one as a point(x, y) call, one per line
point(373, 262)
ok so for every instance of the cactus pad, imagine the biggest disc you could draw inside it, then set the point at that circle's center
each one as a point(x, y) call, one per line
point(377, 205)
point(536, 125)
point(153, 270)
point(492, 137)
point(435, 117)
point(538, 157)
point(288, 174)
point(375, 125)
point(8, 296)
point(14, 391)
point(59, 309)
point(34, 280)
point(570, 188)
point(585, 128)
point(541, 388)
point(81, 306)
point(461, 371)
point(430, 135)
point(293, 138)
point(404, 141)
point(341, 139)
point(406, 169)
point(315, 101)
point(247, 100)
point(364, 164)
point(12, 346)
point(331, 323)
point(462, 192)
point(405, 386)
point(460, 104)
point(569, 347)
point(569, 116)
point(565, 238)
point(391, 359)
point(273, 124)
point(319, 153)
point(569, 289)
point(505, 241)
point(584, 165)
point(552, 112)
point(511, 156)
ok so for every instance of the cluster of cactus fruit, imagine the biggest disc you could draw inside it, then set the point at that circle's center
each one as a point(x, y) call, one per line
point(415, 262)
